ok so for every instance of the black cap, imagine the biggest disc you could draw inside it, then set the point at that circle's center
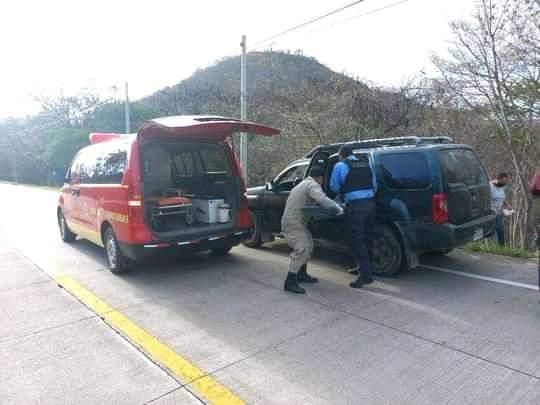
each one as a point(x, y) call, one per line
point(345, 151)
point(316, 171)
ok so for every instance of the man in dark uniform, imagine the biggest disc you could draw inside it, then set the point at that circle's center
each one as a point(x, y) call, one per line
point(353, 179)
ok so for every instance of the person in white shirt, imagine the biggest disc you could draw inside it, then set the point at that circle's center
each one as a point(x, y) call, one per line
point(498, 203)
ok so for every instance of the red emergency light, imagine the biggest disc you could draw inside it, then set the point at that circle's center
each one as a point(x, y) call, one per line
point(97, 137)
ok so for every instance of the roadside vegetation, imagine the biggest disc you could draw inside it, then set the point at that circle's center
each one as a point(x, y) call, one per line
point(489, 246)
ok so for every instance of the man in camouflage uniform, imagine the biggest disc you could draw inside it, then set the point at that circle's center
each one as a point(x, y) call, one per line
point(295, 230)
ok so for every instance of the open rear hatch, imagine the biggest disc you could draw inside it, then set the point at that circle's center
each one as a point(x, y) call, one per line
point(192, 184)
point(200, 127)
point(466, 184)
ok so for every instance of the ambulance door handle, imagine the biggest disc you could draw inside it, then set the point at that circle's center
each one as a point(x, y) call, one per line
point(76, 191)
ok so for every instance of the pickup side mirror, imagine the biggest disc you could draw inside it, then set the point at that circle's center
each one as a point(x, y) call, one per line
point(269, 185)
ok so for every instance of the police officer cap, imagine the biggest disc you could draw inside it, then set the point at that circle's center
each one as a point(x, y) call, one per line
point(316, 172)
point(345, 151)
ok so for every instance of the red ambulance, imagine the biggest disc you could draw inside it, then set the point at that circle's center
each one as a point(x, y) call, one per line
point(176, 184)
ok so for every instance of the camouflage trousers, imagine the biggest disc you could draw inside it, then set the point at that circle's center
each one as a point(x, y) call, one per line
point(294, 228)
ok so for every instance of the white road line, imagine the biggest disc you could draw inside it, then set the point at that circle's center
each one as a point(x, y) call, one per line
point(478, 277)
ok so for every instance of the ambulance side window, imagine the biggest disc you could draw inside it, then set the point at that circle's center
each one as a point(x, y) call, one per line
point(73, 171)
point(87, 165)
point(184, 163)
point(104, 165)
point(214, 160)
point(112, 166)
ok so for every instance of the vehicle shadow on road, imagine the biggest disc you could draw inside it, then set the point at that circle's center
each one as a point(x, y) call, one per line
point(157, 275)
point(334, 258)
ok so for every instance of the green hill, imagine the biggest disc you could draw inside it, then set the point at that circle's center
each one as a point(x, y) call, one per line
point(309, 102)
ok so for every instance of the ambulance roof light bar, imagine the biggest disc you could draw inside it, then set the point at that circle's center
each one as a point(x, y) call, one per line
point(97, 137)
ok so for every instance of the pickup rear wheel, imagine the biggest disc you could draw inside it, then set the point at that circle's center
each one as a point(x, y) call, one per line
point(255, 240)
point(65, 233)
point(385, 251)
point(116, 260)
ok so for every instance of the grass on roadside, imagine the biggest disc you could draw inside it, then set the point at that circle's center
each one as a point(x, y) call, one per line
point(489, 246)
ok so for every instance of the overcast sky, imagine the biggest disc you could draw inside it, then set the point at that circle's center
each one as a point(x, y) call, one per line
point(54, 45)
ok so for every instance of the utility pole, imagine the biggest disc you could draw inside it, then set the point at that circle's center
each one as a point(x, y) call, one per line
point(14, 168)
point(128, 129)
point(243, 109)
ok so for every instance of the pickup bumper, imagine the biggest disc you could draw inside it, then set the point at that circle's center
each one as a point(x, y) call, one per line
point(426, 237)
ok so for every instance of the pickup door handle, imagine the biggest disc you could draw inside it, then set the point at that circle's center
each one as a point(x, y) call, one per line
point(76, 191)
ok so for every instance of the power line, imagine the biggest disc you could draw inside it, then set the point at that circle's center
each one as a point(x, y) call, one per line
point(11, 137)
point(56, 122)
point(308, 22)
point(361, 15)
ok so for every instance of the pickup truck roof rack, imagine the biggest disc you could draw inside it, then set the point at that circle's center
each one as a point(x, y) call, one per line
point(382, 142)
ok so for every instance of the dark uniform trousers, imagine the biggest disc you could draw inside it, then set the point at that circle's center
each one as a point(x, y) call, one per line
point(361, 216)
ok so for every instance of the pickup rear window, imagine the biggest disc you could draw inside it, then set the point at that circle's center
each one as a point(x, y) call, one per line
point(462, 166)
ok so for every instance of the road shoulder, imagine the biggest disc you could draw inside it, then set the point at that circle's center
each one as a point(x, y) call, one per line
point(53, 350)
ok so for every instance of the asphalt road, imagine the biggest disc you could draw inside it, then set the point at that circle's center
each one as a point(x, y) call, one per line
point(463, 329)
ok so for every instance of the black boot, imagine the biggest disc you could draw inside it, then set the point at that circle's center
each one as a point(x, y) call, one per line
point(303, 277)
point(291, 284)
point(358, 283)
point(355, 271)
point(367, 280)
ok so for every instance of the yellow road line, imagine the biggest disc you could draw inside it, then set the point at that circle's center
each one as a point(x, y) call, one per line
point(162, 354)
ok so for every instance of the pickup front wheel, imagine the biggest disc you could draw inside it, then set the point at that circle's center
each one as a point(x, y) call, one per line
point(255, 240)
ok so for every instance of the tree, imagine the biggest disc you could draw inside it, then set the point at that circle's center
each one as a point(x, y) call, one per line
point(494, 70)
point(63, 145)
point(69, 111)
point(111, 117)
point(38, 145)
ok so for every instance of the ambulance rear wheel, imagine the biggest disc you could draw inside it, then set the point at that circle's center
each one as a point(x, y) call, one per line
point(221, 251)
point(65, 233)
point(116, 260)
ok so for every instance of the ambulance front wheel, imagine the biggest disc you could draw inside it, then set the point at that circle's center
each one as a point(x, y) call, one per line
point(65, 233)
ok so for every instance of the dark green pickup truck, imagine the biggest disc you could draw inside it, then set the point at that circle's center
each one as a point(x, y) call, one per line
point(433, 195)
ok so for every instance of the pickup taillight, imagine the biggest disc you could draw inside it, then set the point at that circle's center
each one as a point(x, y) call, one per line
point(439, 208)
